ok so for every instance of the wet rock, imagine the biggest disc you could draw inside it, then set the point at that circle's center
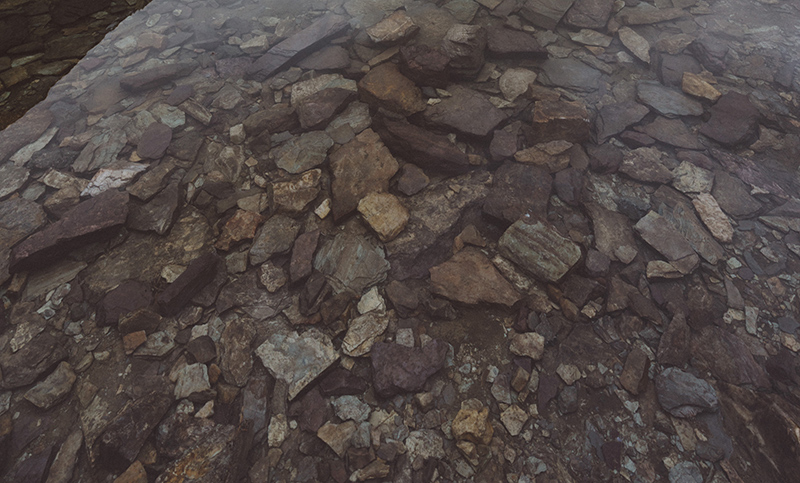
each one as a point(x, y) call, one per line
point(711, 53)
point(569, 74)
point(424, 148)
point(24, 366)
point(589, 14)
point(713, 217)
point(733, 196)
point(472, 423)
point(734, 120)
point(674, 346)
point(121, 440)
point(235, 357)
point(728, 358)
point(283, 52)
point(425, 65)
point(646, 164)
point(318, 109)
point(154, 141)
point(362, 333)
point(398, 369)
point(362, 166)
point(667, 102)
point(297, 359)
point(465, 45)
point(545, 13)
point(53, 388)
point(676, 209)
point(469, 277)
point(351, 263)
point(197, 275)
point(504, 42)
point(685, 472)
point(539, 249)
point(24, 131)
point(384, 213)
point(559, 121)
point(275, 236)
point(615, 118)
point(518, 189)
point(156, 76)
point(396, 27)
point(683, 395)
point(635, 43)
point(467, 111)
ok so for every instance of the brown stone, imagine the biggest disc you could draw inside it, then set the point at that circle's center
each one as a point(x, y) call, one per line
point(386, 87)
point(305, 245)
point(469, 277)
point(132, 341)
point(467, 111)
point(634, 374)
point(384, 213)
point(241, 226)
point(560, 120)
point(394, 28)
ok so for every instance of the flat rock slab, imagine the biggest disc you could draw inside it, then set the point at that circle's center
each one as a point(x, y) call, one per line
point(518, 189)
point(646, 164)
point(282, 53)
point(734, 120)
point(613, 234)
point(469, 277)
point(733, 196)
point(393, 28)
point(467, 111)
point(154, 141)
point(666, 101)
point(589, 14)
point(545, 13)
point(305, 152)
point(503, 42)
point(673, 132)
point(13, 178)
point(570, 74)
point(677, 209)
point(24, 131)
point(156, 76)
point(539, 249)
point(351, 263)
point(661, 235)
point(297, 359)
point(398, 369)
point(24, 366)
point(197, 275)
point(683, 395)
point(615, 118)
point(422, 147)
point(18, 219)
point(53, 388)
point(559, 120)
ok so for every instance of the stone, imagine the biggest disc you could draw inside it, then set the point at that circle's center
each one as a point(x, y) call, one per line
point(570, 74)
point(545, 13)
point(697, 86)
point(569, 373)
point(661, 235)
point(685, 472)
point(674, 348)
point(472, 423)
point(127, 297)
point(613, 233)
point(303, 41)
point(384, 213)
point(424, 148)
point(514, 419)
point(297, 359)
point(90, 220)
point(14, 177)
point(539, 249)
point(241, 226)
point(337, 436)
point(191, 379)
point(301, 264)
point(351, 263)
point(115, 175)
point(318, 109)
point(24, 366)
point(711, 52)
point(518, 189)
point(53, 388)
point(398, 369)
point(647, 165)
point(469, 277)
point(157, 214)
point(560, 121)
point(645, 16)
point(688, 178)
point(615, 118)
point(528, 344)
point(386, 87)
point(123, 437)
point(332, 57)
point(256, 45)
point(728, 358)
point(362, 166)
point(713, 217)
point(516, 82)
point(23, 132)
point(294, 195)
point(158, 345)
point(733, 196)
point(276, 235)
point(199, 273)
point(506, 42)
point(671, 131)
point(589, 14)
point(214, 453)
point(305, 152)
point(734, 120)
point(465, 45)
point(665, 101)
point(683, 395)
point(362, 332)
point(678, 211)
point(235, 359)
point(634, 373)
point(635, 43)
point(156, 76)
point(467, 111)
point(63, 465)
point(425, 65)
point(591, 37)
point(425, 444)
point(395, 28)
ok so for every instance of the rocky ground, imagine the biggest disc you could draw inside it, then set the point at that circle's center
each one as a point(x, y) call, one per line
point(392, 240)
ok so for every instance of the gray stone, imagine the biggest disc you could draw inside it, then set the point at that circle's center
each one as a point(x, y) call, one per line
point(192, 379)
point(235, 359)
point(467, 111)
point(683, 395)
point(304, 152)
point(615, 118)
point(469, 277)
point(351, 263)
point(362, 332)
point(666, 101)
point(646, 164)
point(14, 177)
point(570, 74)
point(275, 236)
point(54, 388)
point(545, 13)
point(685, 472)
point(351, 408)
point(465, 45)
point(539, 249)
point(613, 234)
point(661, 235)
point(733, 196)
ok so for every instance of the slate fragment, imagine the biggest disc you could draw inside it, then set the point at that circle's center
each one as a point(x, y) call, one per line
point(156, 76)
point(129, 296)
point(197, 275)
point(424, 148)
point(398, 369)
point(539, 249)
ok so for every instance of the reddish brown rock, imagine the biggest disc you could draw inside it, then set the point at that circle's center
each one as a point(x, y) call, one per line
point(305, 245)
point(559, 120)
point(734, 120)
point(469, 277)
point(154, 141)
point(241, 226)
point(318, 109)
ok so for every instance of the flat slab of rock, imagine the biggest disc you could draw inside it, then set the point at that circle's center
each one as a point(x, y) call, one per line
point(384, 213)
point(424, 148)
point(197, 275)
point(156, 76)
point(351, 263)
point(88, 221)
point(684, 395)
point(282, 53)
point(154, 141)
point(467, 111)
point(503, 42)
point(635, 43)
point(570, 74)
point(386, 87)
point(560, 121)
point(539, 249)
point(671, 131)
point(733, 196)
point(615, 118)
point(275, 236)
point(734, 120)
point(677, 209)
point(305, 152)
point(297, 359)
point(398, 369)
point(393, 28)
point(613, 234)
point(661, 235)
point(589, 14)
point(545, 13)
point(666, 101)
point(518, 189)
point(18, 219)
point(469, 277)
point(645, 164)
point(124, 436)
point(23, 132)
point(54, 388)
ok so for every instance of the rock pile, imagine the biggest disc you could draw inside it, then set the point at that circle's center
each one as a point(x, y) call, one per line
point(401, 241)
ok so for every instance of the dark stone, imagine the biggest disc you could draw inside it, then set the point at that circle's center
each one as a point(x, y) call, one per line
point(341, 382)
point(24, 131)
point(129, 296)
point(320, 108)
point(604, 159)
point(734, 120)
point(196, 276)
point(672, 67)
point(571, 74)
point(154, 141)
point(284, 52)
point(18, 219)
point(667, 101)
point(711, 53)
point(156, 76)
point(559, 120)
point(635, 140)
point(733, 196)
point(612, 454)
point(671, 131)
point(38, 356)
point(305, 245)
point(548, 389)
point(590, 14)
point(545, 13)
point(311, 410)
point(504, 145)
point(144, 319)
point(158, 214)
point(423, 148)
point(465, 45)
point(276, 118)
point(727, 357)
point(597, 263)
point(704, 308)
point(202, 349)
point(180, 94)
point(673, 348)
point(503, 42)
point(467, 111)
point(332, 57)
point(90, 221)
point(683, 395)
point(404, 300)
point(412, 180)
point(568, 184)
point(518, 189)
point(398, 369)
point(424, 65)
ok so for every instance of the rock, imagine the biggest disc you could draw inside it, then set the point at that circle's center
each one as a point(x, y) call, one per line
point(294, 195)
point(661, 235)
point(528, 344)
point(192, 379)
point(514, 419)
point(570, 74)
point(154, 141)
point(318, 109)
point(52, 389)
point(332, 57)
point(733, 196)
point(635, 43)
point(674, 348)
point(667, 102)
point(671, 131)
point(671, 68)
point(123, 437)
point(351, 263)
point(591, 37)
point(728, 358)
point(424, 148)
point(685, 472)
point(362, 333)
point(465, 45)
point(467, 111)
point(645, 16)
point(505, 42)
point(684, 395)
point(545, 13)
point(156, 76)
point(697, 86)
point(362, 166)
point(589, 14)
point(646, 164)
point(384, 213)
point(197, 275)
point(215, 453)
point(61, 470)
point(158, 214)
point(305, 152)
point(551, 155)
point(560, 121)
point(396, 27)
point(13, 177)
point(241, 226)
point(235, 359)
point(516, 82)
point(256, 45)
point(337, 436)
point(300, 265)
point(676, 209)
point(734, 120)
point(23, 132)
point(425, 65)
point(539, 249)
point(634, 373)
point(276, 235)
point(713, 217)
point(18, 219)
point(297, 359)
point(711, 53)
point(689, 178)
point(299, 43)
point(472, 423)
point(469, 277)
point(398, 369)
point(127, 297)
point(518, 189)
point(613, 234)
point(615, 118)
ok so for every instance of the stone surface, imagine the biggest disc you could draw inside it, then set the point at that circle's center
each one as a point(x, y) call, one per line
point(384, 213)
point(516, 82)
point(472, 423)
point(465, 45)
point(635, 43)
point(684, 395)
point(713, 217)
point(539, 249)
point(734, 120)
point(529, 344)
point(697, 86)
point(646, 164)
point(615, 118)
point(386, 87)
point(660, 234)
point(351, 263)
point(275, 236)
point(53, 388)
point(613, 234)
point(393, 28)
point(545, 13)
point(505, 42)
point(560, 121)
point(305, 152)
point(362, 333)
point(570, 74)
point(469, 277)
point(424, 148)
point(398, 369)
point(665, 101)
point(590, 14)
point(518, 189)
point(467, 111)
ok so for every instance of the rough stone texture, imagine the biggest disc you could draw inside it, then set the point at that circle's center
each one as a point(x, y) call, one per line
point(469, 277)
point(386, 87)
point(684, 395)
point(197, 275)
point(393, 28)
point(275, 236)
point(667, 102)
point(120, 441)
point(612, 233)
point(235, 359)
point(539, 249)
point(560, 121)
point(384, 213)
point(53, 388)
point(615, 118)
point(351, 263)
point(734, 120)
point(505, 42)
point(154, 141)
point(713, 217)
point(423, 148)
point(662, 236)
point(545, 13)
point(467, 111)
point(398, 369)
point(518, 189)
point(465, 45)
point(646, 164)
point(589, 14)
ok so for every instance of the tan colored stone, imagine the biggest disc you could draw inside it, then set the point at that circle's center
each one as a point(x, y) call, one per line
point(470, 277)
point(337, 436)
point(134, 474)
point(472, 423)
point(386, 87)
point(393, 28)
point(516, 82)
point(514, 419)
point(133, 340)
point(695, 85)
point(713, 217)
point(529, 344)
point(384, 213)
point(569, 373)
point(549, 155)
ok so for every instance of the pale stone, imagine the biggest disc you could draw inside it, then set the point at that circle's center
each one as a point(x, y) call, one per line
point(362, 333)
point(514, 419)
point(591, 37)
point(256, 45)
point(516, 82)
point(277, 431)
point(689, 178)
point(192, 379)
point(112, 177)
point(569, 373)
point(337, 436)
point(370, 301)
point(528, 344)
point(713, 217)
point(385, 214)
point(472, 423)
point(695, 85)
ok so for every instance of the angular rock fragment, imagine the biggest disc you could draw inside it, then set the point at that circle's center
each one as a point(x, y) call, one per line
point(191, 379)
point(518, 189)
point(539, 249)
point(671, 131)
point(646, 164)
point(615, 118)
point(235, 359)
point(528, 344)
point(63, 466)
point(394, 28)
point(734, 196)
point(469, 277)
point(667, 102)
point(301, 263)
point(276, 235)
point(53, 388)
point(13, 177)
point(734, 120)
point(424, 65)
point(697, 86)
point(423, 148)
point(386, 87)
point(466, 111)
point(24, 131)
point(294, 195)
point(635, 43)
point(728, 358)
point(154, 141)
point(318, 109)
point(196, 276)
point(158, 214)
point(545, 13)
point(214, 457)
point(384, 213)
point(589, 14)
point(677, 210)
point(504, 42)
point(362, 333)
point(683, 395)
point(397, 369)
point(560, 121)
point(338, 436)
point(465, 45)
point(516, 82)
point(351, 263)
point(156, 76)
point(612, 233)
point(570, 74)
point(241, 226)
